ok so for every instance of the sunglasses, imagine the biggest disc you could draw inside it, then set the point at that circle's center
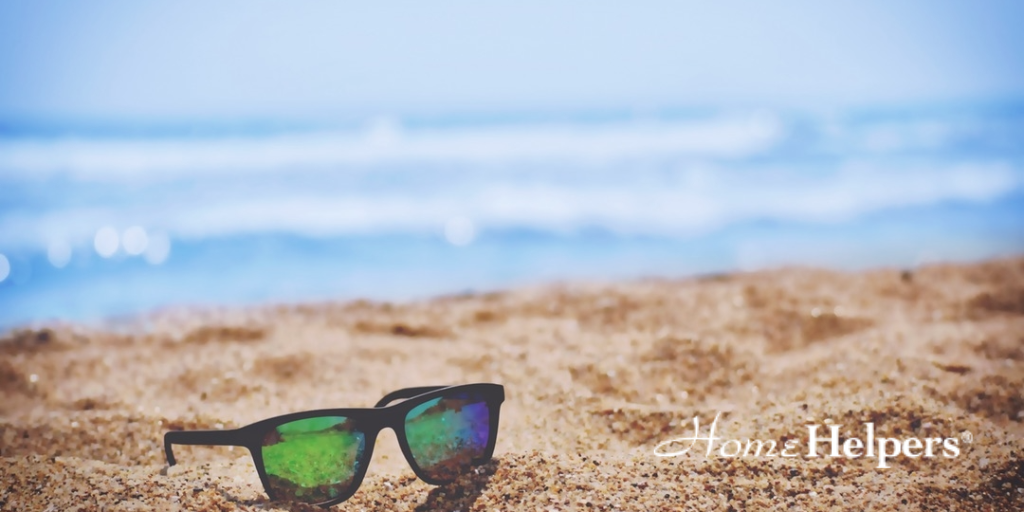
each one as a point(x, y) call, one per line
point(320, 457)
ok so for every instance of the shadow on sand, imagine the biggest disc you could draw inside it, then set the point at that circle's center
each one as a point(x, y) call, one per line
point(462, 493)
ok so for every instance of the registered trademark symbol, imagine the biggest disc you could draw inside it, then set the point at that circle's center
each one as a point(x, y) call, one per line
point(967, 437)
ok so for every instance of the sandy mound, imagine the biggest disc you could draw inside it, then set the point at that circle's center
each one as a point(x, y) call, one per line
point(596, 377)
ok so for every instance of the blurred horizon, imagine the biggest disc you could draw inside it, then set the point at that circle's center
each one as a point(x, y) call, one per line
point(241, 153)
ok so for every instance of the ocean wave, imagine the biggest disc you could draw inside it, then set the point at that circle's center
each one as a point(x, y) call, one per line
point(674, 178)
point(385, 141)
point(681, 202)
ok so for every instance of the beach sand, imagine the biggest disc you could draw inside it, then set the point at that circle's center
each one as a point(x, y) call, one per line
point(596, 376)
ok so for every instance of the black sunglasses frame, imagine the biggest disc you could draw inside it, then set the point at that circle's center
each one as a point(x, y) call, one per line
point(371, 422)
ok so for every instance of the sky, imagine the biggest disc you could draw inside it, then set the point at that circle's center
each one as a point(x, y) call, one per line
point(310, 61)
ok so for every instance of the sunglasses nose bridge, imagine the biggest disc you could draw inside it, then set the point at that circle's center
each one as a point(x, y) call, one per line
point(394, 421)
point(398, 432)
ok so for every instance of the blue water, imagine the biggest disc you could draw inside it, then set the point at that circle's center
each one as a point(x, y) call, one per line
point(396, 208)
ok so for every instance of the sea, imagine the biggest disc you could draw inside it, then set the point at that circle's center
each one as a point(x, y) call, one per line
point(101, 222)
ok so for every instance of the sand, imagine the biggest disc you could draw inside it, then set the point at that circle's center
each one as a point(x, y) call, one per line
point(596, 376)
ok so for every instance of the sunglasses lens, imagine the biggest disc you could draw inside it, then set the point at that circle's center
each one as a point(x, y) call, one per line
point(446, 435)
point(312, 460)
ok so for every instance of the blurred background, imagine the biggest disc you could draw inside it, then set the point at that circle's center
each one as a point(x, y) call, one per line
point(234, 153)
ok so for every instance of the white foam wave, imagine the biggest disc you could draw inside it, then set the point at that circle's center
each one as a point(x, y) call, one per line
point(386, 142)
point(687, 202)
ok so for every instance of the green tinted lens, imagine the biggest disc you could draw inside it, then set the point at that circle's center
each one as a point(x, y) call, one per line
point(446, 435)
point(312, 460)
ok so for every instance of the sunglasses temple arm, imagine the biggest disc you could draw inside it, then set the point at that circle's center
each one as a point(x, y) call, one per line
point(406, 393)
point(200, 438)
